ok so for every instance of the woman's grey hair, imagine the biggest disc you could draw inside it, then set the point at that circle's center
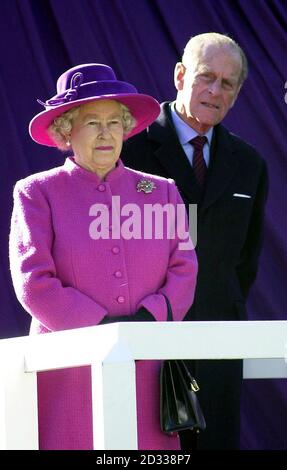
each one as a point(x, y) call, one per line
point(197, 43)
point(63, 124)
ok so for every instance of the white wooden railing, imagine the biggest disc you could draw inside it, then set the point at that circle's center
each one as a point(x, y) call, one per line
point(112, 350)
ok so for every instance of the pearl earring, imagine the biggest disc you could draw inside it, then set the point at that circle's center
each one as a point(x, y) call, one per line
point(68, 143)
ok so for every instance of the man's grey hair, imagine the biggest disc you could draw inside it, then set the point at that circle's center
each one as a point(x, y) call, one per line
point(63, 124)
point(197, 43)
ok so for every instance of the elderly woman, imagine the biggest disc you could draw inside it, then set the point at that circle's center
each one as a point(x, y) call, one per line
point(78, 260)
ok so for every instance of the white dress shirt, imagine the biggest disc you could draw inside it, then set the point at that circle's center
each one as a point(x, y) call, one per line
point(185, 133)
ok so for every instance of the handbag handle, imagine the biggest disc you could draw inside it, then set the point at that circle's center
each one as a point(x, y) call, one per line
point(168, 306)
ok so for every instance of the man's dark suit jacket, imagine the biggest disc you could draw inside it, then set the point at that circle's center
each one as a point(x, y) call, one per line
point(229, 241)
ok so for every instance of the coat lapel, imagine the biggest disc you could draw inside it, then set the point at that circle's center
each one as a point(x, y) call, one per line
point(223, 165)
point(171, 155)
point(169, 152)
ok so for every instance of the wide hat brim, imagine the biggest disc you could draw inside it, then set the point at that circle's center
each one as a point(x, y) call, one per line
point(144, 108)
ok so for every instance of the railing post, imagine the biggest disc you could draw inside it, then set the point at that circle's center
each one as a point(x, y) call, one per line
point(114, 401)
point(18, 400)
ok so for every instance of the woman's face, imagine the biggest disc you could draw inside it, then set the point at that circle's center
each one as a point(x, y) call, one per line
point(97, 136)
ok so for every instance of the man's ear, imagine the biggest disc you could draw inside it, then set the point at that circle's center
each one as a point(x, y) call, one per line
point(179, 72)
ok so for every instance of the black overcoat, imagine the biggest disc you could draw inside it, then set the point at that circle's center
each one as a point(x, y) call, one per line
point(229, 238)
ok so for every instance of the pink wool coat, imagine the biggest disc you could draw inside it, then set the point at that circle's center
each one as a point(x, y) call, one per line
point(67, 278)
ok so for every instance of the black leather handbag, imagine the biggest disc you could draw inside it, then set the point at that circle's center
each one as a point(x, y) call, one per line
point(179, 405)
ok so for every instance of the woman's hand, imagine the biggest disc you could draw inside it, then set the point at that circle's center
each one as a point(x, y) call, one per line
point(141, 315)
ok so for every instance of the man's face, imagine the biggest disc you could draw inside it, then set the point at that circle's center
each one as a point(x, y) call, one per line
point(208, 86)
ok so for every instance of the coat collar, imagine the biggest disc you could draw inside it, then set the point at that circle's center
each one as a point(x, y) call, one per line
point(74, 169)
point(172, 157)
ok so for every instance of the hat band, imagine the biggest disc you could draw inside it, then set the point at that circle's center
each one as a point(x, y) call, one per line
point(75, 83)
point(94, 90)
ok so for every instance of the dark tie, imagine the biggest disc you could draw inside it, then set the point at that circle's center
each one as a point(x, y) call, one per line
point(198, 162)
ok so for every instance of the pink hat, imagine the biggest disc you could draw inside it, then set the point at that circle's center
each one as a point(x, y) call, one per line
point(92, 82)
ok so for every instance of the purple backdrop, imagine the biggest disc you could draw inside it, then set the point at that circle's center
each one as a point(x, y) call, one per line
point(142, 40)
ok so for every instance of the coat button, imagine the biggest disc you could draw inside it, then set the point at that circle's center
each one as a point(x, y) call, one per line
point(115, 250)
point(101, 187)
point(118, 274)
point(121, 299)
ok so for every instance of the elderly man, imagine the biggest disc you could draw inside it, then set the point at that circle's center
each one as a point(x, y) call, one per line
point(227, 179)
